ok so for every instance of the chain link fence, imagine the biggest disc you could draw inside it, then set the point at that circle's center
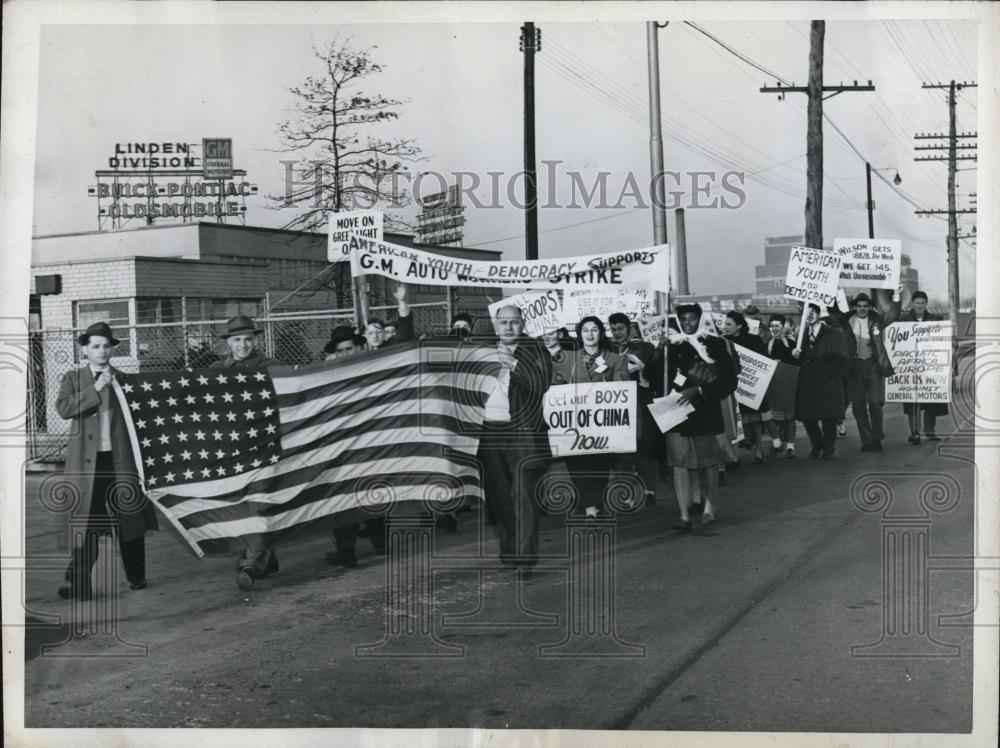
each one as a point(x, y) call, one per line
point(295, 339)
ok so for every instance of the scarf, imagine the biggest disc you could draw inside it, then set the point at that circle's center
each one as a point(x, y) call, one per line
point(695, 341)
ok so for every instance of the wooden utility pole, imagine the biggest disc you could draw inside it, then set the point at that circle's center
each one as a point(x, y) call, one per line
point(953, 212)
point(655, 134)
point(531, 42)
point(814, 137)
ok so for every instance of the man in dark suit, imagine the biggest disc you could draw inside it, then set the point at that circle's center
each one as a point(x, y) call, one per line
point(513, 447)
point(646, 370)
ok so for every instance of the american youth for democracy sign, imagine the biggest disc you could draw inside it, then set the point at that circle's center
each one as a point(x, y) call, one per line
point(647, 267)
point(813, 276)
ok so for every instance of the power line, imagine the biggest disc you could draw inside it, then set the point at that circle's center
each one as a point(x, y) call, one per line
point(737, 53)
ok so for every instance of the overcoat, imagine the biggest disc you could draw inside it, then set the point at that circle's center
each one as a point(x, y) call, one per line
point(717, 381)
point(79, 402)
point(820, 391)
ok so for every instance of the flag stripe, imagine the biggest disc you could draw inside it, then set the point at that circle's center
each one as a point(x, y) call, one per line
point(316, 510)
point(375, 472)
point(338, 497)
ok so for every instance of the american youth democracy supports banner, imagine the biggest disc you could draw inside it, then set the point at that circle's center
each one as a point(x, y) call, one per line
point(277, 452)
point(647, 267)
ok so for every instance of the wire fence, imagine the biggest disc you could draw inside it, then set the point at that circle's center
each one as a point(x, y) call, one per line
point(295, 339)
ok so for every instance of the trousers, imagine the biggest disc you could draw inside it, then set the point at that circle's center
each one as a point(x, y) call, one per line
point(822, 434)
point(866, 387)
point(100, 522)
point(511, 469)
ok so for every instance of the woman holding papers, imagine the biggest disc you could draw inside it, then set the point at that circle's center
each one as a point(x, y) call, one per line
point(701, 373)
point(592, 361)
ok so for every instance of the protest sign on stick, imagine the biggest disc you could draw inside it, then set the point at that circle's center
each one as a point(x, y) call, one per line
point(653, 329)
point(366, 224)
point(602, 302)
point(754, 377)
point(591, 418)
point(920, 354)
point(541, 311)
point(812, 278)
point(869, 263)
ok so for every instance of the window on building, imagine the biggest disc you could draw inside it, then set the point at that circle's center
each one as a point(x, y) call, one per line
point(112, 311)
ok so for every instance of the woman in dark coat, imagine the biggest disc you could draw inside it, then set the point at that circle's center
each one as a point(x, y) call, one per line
point(819, 398)
point(918, 313)
point(101, 468)
point(700, 368)
point(591, 361)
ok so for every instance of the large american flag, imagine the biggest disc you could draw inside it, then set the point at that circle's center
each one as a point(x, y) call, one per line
point(275, 452)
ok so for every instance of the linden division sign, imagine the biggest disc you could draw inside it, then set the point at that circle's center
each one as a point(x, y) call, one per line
point(170, 180)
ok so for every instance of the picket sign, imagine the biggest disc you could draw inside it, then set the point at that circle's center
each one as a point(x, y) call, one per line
point(813, 277)
point(591, 418)
point(343, 227)
point(540, 310)
point(869, 263)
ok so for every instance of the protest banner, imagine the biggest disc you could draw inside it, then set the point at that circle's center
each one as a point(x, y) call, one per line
point(541, 311)
point(646, 268)
point(653, 329)
point(602, 302)
point(920, 354)
point(813, 276)
point(869, 263)
point(781, 390)
point(591, 417)
point(343, 226)
point(754, 377)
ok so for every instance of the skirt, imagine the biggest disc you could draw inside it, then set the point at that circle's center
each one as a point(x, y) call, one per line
point(694, 452)
point(782, 415)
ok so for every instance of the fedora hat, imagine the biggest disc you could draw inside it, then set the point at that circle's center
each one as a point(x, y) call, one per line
point(98, 328)
point(340, 334)
point(240, 325)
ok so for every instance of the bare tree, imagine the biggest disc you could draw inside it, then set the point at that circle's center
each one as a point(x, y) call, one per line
point(345, 166)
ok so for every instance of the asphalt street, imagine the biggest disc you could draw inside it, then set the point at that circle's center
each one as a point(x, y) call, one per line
point(744, 624)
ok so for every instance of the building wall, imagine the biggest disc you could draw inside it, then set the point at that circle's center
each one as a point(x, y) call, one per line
point(151, 241)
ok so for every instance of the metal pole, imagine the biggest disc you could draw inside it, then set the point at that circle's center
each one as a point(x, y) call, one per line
point(528, 43)
point(682, 263)
point(656, 136)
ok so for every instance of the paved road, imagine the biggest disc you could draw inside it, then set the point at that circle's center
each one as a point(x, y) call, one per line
point(746, 624)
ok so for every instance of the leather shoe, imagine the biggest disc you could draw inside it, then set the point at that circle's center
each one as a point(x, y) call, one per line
point(245, 579)
point(814, 453)
point(140, 585)
point(684, 526)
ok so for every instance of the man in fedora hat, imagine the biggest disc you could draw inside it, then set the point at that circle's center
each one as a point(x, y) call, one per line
point(101, 467)
point(240, 335)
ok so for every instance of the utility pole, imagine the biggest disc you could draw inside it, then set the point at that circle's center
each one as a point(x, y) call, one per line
point(815, 90)
point(656, 135)
point(953, 212)
point(682, 265)
point(531, 42)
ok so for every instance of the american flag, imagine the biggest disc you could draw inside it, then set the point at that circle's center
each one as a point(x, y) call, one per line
point(278, 451)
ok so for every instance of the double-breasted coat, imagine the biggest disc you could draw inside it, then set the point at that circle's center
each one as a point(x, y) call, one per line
point(79, 402)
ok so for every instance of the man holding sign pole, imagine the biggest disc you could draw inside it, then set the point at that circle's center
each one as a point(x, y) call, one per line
point(819, 397)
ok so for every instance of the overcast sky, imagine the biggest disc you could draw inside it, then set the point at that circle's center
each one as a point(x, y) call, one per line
point(463, 89)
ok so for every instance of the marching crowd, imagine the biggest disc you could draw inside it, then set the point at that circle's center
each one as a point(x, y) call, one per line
point(842, 360)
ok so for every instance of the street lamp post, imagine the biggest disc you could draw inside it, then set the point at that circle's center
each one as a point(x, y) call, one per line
point(881, 296)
